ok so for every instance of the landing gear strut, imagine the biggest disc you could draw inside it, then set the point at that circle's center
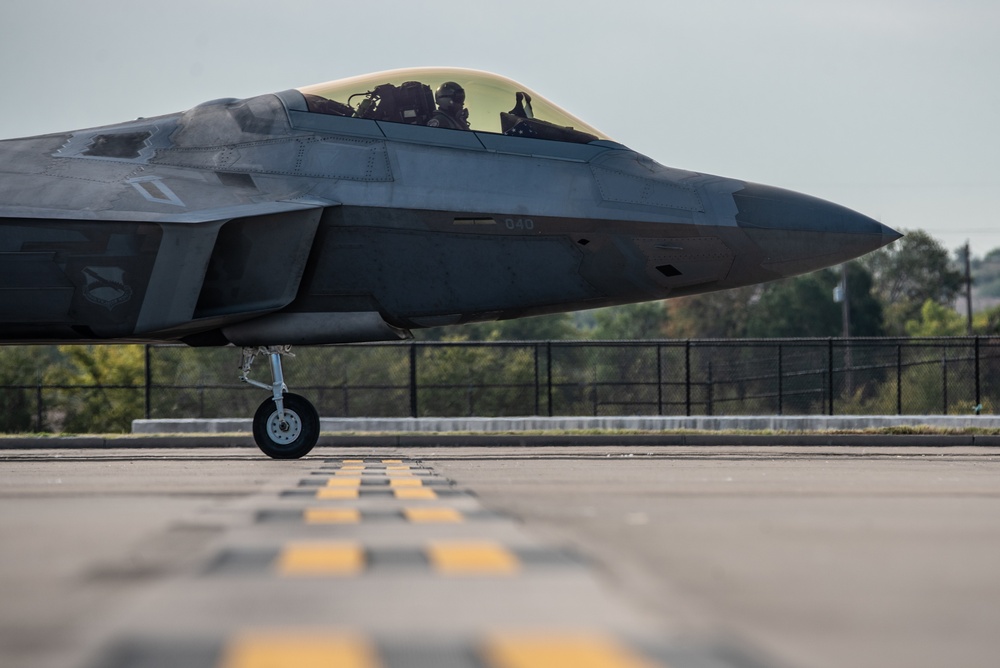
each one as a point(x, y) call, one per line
point(286, 425)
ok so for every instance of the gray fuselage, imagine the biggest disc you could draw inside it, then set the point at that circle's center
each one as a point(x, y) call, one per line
point(259, 222)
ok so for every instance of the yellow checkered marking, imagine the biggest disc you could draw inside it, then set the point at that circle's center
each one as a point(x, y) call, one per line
point(392, 461)
point(298, 650)
point(560, 651)
point(331, 515)
point(343, 482)
point(472, 558)
point(315, 559)
point(432, 515)
point(414, 493)
point(406, 482)
point(337, 493)
point(352, 461)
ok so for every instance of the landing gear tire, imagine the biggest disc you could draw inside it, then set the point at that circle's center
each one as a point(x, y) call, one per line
point(290, 436)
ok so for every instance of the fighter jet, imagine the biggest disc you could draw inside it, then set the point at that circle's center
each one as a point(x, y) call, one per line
point(361, 209)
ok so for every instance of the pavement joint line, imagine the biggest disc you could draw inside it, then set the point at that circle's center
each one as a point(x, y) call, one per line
point(479, 439)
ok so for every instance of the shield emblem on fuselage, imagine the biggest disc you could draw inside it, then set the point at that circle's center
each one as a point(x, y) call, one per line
point(106, 286)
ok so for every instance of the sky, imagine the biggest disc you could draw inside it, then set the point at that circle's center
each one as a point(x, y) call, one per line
point(889, 107)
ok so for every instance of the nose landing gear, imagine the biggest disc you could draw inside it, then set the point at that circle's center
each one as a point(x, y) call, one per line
point(286, 425)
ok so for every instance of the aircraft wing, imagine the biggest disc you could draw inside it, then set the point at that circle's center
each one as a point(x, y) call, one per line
point(105, 243)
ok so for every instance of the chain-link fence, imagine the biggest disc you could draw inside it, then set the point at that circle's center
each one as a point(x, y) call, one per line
point(443, 379)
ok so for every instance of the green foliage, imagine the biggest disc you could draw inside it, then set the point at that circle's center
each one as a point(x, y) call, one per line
point(553, 327)
point(378, 378)
point(646, 320)
point(936, 320)
point(909, 272)
point(800, 306)
point(985, 273)
point(866, 311)
point(20, 368)
point(202, 382)
point(110, 407)
point(794, 307)
point(715, 315)
point(987, 322)
point(474, 380)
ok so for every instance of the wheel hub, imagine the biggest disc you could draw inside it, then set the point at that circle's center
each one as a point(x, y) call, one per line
point(284, 429)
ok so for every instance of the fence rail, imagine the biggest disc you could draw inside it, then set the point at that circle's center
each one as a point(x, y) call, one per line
point(688, 377)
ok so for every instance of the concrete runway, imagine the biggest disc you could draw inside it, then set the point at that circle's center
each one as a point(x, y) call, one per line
point(597, 556)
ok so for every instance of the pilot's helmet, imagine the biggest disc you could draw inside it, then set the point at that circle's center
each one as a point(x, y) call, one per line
point(450, 96)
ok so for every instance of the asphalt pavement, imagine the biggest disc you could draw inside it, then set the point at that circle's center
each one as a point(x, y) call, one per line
point(602, 555)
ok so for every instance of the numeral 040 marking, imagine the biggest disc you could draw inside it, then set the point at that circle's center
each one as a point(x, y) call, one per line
point(519, 223)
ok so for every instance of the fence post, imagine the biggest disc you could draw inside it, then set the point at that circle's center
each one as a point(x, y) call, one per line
point(979, 400)
point(829, 373)
point(899, 379)
point(944, 382)
point(413, 379)
point(709, 407)
point(659, 379)
point(538, 385)
point(548, 379)
point(38, 404)
point(687, 377)
point(781, 383)
point(149, 384)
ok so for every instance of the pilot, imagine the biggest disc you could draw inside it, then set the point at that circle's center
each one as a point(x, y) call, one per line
point(451, 112)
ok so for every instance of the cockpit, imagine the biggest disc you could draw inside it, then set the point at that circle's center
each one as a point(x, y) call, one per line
point(490, 103)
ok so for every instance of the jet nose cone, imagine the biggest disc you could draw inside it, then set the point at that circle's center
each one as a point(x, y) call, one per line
point(798, 233)
point(889, 235)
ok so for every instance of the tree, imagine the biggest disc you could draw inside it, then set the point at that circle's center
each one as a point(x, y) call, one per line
point(477, 380)
point(714, 315)
point(799, 306)
point(987, 322)
point(985, 273)
point(20, 367)
point(791, 307)
point(936, 320)
point(866, 312)
point(537, 328)
point(647, 320)
point(110, 379)
point(909, 272)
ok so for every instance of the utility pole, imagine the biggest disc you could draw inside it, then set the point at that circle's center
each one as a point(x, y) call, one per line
point(968, 291)
point(845, 313)
point(845, 303)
